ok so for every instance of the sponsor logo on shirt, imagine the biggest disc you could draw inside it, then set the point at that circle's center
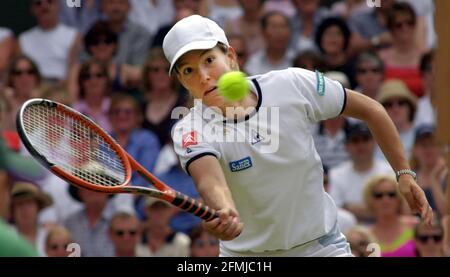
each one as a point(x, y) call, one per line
point(189, 139)
point(241, 164)
point(320, 83)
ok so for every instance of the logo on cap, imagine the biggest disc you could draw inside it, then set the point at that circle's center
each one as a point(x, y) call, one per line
point(189, 139)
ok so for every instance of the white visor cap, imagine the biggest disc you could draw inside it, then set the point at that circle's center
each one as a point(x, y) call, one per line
point(191, 33)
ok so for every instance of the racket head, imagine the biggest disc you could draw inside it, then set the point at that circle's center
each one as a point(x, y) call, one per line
point(73, 146)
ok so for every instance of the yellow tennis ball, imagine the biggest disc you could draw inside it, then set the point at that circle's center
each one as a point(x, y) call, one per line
point(233, 86)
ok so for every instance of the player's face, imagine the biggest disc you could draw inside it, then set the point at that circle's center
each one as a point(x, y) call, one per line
point(199, 71)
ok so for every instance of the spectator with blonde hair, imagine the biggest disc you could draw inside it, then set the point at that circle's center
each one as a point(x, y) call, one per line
point(359, 238)
point(392, 232)
point(57, 241)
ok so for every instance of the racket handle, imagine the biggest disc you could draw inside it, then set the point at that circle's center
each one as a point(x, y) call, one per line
point(194, 207)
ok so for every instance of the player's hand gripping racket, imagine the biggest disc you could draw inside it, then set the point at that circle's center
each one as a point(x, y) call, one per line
point(76, 149)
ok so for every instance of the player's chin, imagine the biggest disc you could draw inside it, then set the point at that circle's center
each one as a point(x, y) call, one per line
point(213, 99)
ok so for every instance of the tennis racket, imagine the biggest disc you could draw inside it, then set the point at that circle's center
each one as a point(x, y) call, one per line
point(77, 150)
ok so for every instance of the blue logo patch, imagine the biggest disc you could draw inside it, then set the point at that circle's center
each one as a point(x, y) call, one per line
point(241, 164)
point(320, 83)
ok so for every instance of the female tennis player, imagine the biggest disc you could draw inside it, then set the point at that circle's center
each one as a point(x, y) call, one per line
point(267, 183)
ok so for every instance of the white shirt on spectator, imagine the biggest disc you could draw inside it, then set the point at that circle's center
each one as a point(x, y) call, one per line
point(260, 64)
point(151, 14)
point(347, 185)
point(50, 49)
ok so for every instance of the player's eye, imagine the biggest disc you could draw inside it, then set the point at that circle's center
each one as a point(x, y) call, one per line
point(187, 70)
point(209, 60)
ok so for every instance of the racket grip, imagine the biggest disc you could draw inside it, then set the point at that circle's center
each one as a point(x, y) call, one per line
point(194, 207)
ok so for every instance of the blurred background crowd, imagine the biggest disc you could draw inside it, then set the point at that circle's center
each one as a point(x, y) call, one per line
point(105, 60)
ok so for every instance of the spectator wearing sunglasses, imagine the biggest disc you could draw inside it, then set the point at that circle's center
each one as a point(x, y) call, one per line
point(429, 239)
point(400, 105)
point(95, 90)
point(124, 232)
point(203, 243)
point(51, 44)
point(369, 74)
point(402, 59)
point(57, 241)
point(101, 44)
point(161, 96)
point(159, 240)
point(23, 82)
point(391, 229)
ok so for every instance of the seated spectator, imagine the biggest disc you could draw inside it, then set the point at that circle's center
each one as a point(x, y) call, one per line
point(95, 89)
point(6, 53)
point(134, 40)
point(310, 60)
point(101, 44)
point(27, 200)
point(345, 219)
point(402, 59)
point(305, 23)
point(348, 8)
point(248, 25)
point(161, 96)
point(222, 11)
point(400, 104)
point(392, 233)
point(23, 83)
point(51, 44)
point(426, 106)
point(430, 166)
point(240, 47)
point(333, 39)
point(159, 239)
point(151, 14)
point(329, 138)
point(82, 17)
point(57, 241)
point(124, 232)
point(276, 55)
point(359, 237)
point(348, 179)
point(203, 244)
point(89, 225)
point(429, 239)
point(369, 74)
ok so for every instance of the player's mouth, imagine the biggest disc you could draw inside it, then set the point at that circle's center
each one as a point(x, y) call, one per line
point(209, 91)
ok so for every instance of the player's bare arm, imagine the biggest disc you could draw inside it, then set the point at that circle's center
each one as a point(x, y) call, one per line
point(212, 186)
point(385, 134)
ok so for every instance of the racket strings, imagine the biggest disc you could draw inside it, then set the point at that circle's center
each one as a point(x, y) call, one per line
point(72, 145)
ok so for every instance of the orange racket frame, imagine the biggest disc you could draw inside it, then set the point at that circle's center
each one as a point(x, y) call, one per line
point(163, 191)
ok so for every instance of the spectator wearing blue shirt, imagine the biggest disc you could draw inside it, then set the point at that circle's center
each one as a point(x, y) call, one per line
point(126, 116)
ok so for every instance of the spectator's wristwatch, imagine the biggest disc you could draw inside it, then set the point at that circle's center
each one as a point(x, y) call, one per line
point(405, 171)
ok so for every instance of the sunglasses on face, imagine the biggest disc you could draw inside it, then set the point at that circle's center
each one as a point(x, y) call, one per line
point(367, 70)
point(121, 233)
point(426, 238)
point(20, 72)
point(379, 195)
point(92, 75)
point(398, 103)
point(204, 243)
point(360, 139)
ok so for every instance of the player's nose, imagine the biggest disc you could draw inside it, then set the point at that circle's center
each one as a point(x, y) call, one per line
point(205, 77)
